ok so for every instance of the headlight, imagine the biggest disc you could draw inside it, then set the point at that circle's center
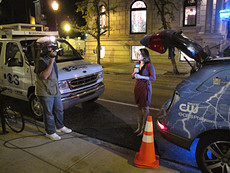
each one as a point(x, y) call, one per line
point(100, 74)
point(63, 84)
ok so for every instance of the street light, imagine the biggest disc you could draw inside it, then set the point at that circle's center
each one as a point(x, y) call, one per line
point(67, 27)
point(55, 7)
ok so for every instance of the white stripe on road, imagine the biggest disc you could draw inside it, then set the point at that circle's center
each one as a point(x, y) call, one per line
point(125, 104)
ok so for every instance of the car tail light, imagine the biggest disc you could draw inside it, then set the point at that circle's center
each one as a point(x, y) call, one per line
point(162, 127)
point(155, 42)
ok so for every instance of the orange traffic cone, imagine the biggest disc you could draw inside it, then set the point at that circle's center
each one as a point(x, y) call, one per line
point(146, 157)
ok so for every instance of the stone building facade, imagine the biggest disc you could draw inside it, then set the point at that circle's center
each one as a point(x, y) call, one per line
point(198, 19)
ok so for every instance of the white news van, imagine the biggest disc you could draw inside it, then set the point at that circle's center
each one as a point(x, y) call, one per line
point(79, 79)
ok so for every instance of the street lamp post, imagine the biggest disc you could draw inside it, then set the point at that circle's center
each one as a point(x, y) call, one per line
point(55, 7)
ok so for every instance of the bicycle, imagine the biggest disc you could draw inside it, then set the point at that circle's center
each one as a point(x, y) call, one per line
point(14, 119)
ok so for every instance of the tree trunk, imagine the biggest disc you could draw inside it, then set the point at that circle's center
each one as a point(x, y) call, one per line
point(98, 36)
point(175, 70)
point(98, 51)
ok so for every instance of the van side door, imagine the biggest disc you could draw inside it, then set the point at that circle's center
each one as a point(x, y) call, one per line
point(1, 64)
point(15, 72)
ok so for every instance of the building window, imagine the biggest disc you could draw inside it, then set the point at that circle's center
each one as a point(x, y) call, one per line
point(0, 48)
point(190, 12)
point(103, 18)
point(134, 51)
point(102, 51)
point(138, 17)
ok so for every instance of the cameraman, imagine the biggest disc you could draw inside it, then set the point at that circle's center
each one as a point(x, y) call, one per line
point(47, 90)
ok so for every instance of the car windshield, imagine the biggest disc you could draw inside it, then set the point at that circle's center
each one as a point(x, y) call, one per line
point(66, 53)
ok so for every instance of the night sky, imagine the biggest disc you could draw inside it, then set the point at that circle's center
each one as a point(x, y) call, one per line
point(14, 11)
point(18, 11)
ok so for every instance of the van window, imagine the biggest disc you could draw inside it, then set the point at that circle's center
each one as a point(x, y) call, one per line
point(28, 47)
point(68, 52)
point(222, 84)
point(13, 54)
point(0, 48)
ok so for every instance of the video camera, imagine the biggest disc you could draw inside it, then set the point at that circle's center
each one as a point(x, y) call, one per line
point(46, 44)
point(54, 48)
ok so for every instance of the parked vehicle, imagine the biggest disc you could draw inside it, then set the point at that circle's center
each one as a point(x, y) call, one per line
point(79, 79)
point(200, 106)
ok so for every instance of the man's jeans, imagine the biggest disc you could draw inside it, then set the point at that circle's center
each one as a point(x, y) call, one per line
point(52, 113)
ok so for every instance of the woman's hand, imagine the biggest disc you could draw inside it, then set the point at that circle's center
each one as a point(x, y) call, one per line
point(137, 76)
point(134, 72)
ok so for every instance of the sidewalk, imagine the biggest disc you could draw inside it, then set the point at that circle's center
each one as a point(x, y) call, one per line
point(31, 152)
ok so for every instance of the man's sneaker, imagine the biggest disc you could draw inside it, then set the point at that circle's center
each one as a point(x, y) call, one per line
point(64, 129)
point(53, 136)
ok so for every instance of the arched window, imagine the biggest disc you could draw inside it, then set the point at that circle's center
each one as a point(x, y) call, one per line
point(103, 16)
point(190, 13)
point(138, 17)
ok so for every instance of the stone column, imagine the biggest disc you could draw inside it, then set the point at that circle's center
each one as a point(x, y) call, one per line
point(208, 22)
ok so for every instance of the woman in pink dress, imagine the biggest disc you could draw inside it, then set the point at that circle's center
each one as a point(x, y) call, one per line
point(143, 88)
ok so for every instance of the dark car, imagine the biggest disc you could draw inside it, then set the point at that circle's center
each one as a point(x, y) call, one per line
point(200, 106)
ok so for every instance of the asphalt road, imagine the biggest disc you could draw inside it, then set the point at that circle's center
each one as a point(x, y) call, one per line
point(119, 87)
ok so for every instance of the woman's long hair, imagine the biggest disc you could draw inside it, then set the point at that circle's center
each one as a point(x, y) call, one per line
point(145, 54)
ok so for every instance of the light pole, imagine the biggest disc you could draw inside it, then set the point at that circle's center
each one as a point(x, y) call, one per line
point(55, 7)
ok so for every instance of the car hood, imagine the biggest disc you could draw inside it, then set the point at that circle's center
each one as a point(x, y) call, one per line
point(167, 39)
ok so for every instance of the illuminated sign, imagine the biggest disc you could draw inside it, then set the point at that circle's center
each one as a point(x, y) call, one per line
point(225, 14)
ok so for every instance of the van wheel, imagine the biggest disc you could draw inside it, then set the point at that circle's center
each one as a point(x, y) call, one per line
point(35, 107)
point(213, 153)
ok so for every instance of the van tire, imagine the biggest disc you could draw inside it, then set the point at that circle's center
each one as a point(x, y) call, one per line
point(35, 107)
point(218, 156)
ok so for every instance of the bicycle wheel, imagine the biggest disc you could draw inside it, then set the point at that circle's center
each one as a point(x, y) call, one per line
point(14, 119)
